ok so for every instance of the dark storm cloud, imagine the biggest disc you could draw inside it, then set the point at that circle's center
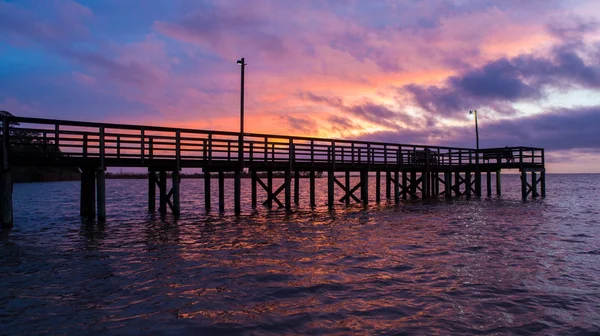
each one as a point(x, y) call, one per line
point(504, 81)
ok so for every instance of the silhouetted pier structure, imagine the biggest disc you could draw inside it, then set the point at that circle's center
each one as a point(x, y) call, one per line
point(409, 171)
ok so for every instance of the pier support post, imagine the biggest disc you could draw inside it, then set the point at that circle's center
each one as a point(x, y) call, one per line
point(207, 191)
point(425, 180)
point(312, 189)
point(288, 189)
point(468, 183)
point(397, 186)
point(254, 182)
point(534, 192)
point(221, 192)
point(378, 186)
point(87, 203)
point(270, 188)
point(498, 182)
point(457, 184)
point(151, 190)
point(413, 184)
point(162, 186)
point(364, 186)
point(297, 187)
point(404, 185)
point(330, 186)
point(348, 187)
point(388, 184)
point(6, 203)
point(488, 176)
point(543, 183)
point(448, 184)
point(237, 189)
point(478, 183)
point(523, 185)
point(101, 193)
point(176, 179)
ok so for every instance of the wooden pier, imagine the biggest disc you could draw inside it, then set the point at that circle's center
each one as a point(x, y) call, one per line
point(409, 171)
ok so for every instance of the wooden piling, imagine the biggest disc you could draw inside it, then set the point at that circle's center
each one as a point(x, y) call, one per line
point(162, 188)
point(348, 187)
point(297, 187)
point(254, 178)
point(523, 184)
point(378, 186)
point(151, 190)
point(404, 185)
point(101, 193)
point(489, 183)
point(221, 192)
point(312, 188)
point(6, 203)
point(270, 188)
point(425, 190)
point(448, 184)
point(330, 189)
point(388, 184)
point(413, 184)
point(207, 195)
point(457, 184)
point(397, 186)
point(498, 182)
point(288, 189)
point(468, 183)
point(534, 193)
point(364, 186)
point(543, 183)
point(478, 183)
point(176, 180)
point(237, 190)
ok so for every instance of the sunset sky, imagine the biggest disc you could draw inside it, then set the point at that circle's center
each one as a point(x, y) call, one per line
point(396, 71)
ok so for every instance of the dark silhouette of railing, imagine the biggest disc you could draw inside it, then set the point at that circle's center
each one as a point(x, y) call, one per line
point(131, 145)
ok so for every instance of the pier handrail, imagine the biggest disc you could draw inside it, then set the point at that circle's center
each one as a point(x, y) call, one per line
point(109, 141)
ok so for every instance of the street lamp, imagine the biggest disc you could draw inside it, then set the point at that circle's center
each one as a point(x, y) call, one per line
point(476, 128)
point(243, 64)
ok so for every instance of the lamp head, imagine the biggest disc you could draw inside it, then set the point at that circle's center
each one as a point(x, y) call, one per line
point(241, 61)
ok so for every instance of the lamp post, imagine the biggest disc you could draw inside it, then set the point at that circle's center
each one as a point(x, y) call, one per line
point(243, 64)
point(476, 128)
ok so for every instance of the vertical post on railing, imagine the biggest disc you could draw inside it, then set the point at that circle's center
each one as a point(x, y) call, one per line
point(151, 149)
point(56, 139)
point(333, 155)
point(45, 143)
point(312, 154)
point(210, 148)
point(178, 150)
point(118, 146)
point(6, 183)
point(352, 154)
point(204, 150)
point(266, 148)
point(100, 178)
point(85, 145)
point(142, 145)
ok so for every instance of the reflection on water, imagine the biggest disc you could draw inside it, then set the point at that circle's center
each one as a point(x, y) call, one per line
point(491, 265)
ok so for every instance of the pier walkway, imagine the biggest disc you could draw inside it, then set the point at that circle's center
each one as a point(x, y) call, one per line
point(409, 171)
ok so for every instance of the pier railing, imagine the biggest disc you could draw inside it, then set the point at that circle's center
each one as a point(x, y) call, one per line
point(113, 144)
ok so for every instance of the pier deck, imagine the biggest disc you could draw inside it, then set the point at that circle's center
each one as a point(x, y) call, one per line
point(414, 171)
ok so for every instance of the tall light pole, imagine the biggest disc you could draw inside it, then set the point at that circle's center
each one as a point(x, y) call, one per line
point(238, 172)
point(476, 128)
point(243, 64)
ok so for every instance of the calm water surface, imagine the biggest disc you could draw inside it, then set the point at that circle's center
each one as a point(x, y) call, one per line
point(484, 266)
